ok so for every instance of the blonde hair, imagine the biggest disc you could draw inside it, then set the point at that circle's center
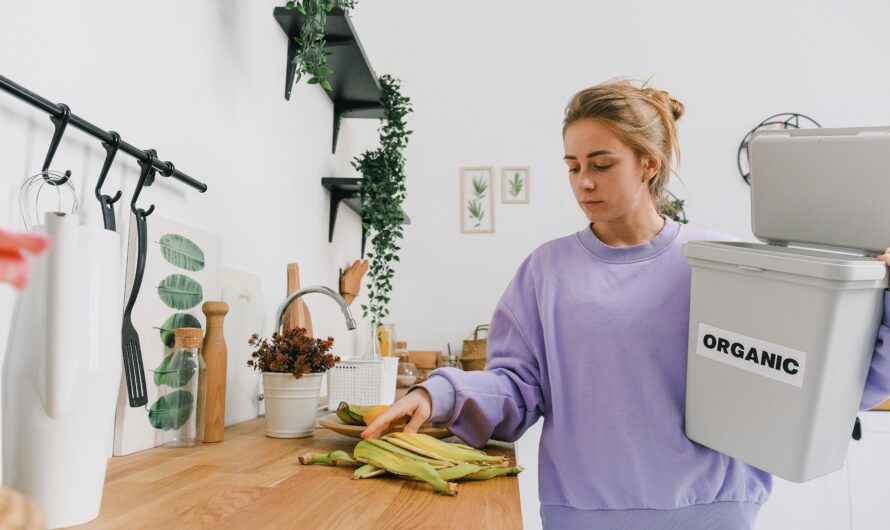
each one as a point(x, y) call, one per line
point(643, 117)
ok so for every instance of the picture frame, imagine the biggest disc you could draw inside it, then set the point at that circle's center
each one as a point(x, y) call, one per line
point(477, 200)
point(515, 182)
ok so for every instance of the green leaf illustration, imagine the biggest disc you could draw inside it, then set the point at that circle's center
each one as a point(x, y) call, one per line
point(177, 320)
point(479, 187)
point(474, 207)
point(176, 369)
point(182, 252)
point(172, 410)
point(180, 292)
point(515, 185)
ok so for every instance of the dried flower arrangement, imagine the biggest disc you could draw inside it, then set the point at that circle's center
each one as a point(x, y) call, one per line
point(292, 352)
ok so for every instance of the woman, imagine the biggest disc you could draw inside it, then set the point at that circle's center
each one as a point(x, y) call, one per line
point(14, 266)
point(591, 333)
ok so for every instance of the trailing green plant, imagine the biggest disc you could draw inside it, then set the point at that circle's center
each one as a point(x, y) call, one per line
point(382, 194)
point(311, 57)
point(674, 208)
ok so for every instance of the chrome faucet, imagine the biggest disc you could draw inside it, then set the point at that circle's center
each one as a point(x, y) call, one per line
point(350, 321)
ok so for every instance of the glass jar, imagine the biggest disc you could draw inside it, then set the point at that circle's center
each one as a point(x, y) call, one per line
point(178, 380)
point(386, 334)
point(402, 351)
point(450, 361)
point(406, 375)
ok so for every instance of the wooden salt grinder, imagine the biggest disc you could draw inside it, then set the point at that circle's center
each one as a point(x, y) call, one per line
point(215, 355)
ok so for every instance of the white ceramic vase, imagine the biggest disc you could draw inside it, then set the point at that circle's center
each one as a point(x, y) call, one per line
point(291, 404)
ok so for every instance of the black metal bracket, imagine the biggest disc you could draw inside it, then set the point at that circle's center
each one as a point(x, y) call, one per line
point(104, 200)
point(347, 191)
point(342, 109)
point(59, 124)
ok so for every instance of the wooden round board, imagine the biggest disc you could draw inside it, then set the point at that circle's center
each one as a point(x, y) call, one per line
point(332, 422)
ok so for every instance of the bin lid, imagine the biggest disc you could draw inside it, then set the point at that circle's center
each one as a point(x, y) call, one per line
point(822, 187)
point(799, 261)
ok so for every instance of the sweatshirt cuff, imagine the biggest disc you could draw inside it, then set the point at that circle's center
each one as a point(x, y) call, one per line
point(442, 396)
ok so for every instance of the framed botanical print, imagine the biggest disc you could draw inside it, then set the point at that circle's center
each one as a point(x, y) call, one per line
point(476, 200)
point(514, 185)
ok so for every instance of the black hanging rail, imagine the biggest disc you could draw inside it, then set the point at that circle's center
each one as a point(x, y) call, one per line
point(164, 168)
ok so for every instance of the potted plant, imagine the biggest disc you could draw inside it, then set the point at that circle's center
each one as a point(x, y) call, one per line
point(293, 364)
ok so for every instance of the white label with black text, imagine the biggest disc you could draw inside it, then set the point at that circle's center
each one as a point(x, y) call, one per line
point(752, 355)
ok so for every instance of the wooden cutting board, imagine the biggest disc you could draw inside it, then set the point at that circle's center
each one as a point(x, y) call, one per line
point(297, 315)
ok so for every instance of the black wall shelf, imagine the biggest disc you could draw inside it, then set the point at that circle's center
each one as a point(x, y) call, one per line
point(356, 90)
point(346, 190)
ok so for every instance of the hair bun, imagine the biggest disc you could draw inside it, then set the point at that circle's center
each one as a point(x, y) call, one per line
point(665, 100)
point(677, 108)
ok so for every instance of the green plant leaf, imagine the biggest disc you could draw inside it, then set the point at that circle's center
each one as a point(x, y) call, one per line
point(515, 185)
point(182, 252)
point(180, 292)
point(172, 410)
point(176, 320)
point(176, 369)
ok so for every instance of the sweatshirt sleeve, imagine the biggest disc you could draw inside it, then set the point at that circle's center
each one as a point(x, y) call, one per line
point(877, 384)
point(505, 399)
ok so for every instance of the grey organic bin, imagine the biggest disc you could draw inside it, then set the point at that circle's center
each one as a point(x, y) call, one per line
point(781, 338)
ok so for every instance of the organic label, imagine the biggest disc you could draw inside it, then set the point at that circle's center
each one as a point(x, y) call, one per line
point(751, 354)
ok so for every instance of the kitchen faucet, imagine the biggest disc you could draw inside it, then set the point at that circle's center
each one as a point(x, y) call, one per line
point(350, 321)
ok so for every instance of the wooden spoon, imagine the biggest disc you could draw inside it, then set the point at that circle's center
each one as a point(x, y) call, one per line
point(297, 315)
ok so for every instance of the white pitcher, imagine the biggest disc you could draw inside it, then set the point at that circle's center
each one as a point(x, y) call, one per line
point(62, 373)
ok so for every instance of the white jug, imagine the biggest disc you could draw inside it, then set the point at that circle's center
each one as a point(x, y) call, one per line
point(62, 372)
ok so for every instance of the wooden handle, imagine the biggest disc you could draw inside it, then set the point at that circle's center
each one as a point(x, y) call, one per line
point(351, 280)
point(297, 315)
point(215, 356)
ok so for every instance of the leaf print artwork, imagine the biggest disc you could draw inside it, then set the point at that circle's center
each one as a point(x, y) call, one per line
point(176, 369)
point(177, 320)
point(182, 252)
point(180, 292)
point(172, 410)
point(474, 206)
point(515, 185)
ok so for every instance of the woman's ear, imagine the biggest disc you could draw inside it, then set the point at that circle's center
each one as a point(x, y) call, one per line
point(651, 167)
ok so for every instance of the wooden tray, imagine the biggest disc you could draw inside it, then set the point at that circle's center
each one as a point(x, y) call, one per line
point(332, 422)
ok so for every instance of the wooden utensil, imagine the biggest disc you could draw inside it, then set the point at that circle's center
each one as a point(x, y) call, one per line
point(297, 315)
point(351, 280)
point(215, 357)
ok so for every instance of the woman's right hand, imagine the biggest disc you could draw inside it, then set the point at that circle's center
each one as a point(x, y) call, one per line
point(417, 405)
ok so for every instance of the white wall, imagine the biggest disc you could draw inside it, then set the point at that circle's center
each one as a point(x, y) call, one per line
point(490, 81)
point(202, 82)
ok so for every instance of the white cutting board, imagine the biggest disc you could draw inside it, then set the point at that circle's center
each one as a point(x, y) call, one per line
point(242, 291)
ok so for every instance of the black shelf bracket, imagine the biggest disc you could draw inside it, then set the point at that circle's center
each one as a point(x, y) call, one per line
point(347, 190)
point(355, 88)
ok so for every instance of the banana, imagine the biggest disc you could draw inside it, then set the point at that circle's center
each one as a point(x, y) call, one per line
point(350, 414)
point(400, 465)
point(327, 458)
point(491, 472)
point(383, 444)
point(437, 449)
point(367, 471)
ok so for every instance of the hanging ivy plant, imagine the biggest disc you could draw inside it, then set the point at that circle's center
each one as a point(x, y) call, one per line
point(382, 194)
point(311, 57)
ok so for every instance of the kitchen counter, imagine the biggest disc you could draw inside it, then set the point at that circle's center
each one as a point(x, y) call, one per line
point(252, 481)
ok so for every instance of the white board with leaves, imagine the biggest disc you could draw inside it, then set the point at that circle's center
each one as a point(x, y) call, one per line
point(182, 271)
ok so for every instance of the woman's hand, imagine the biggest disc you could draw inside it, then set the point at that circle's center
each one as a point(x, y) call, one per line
point(14, 267)
point(885, 257)
point(417, 405)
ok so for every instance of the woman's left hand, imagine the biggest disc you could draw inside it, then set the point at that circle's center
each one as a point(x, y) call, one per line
point(885, 257)
point(14, 266)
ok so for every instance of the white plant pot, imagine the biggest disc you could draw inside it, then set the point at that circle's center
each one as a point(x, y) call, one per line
point(291, 404)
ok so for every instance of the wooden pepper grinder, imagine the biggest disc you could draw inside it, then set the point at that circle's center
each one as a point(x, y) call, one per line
point(215, 355)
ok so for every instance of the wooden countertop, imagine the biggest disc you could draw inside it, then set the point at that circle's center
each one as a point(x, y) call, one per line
point(252, 481)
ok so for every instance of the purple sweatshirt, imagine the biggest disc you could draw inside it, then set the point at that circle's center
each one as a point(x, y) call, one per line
point(594, 338)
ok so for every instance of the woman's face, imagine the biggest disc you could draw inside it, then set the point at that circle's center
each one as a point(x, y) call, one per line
point(608, 179)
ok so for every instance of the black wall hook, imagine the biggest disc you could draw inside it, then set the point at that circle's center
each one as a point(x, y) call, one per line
point(60, 122)
point(145, 179)
point(104, 200)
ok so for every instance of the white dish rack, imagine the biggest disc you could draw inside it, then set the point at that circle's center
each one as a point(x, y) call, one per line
point(363, 382)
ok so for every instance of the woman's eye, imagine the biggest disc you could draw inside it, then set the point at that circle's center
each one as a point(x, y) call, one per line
point(574, 169)
point(600, 168)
